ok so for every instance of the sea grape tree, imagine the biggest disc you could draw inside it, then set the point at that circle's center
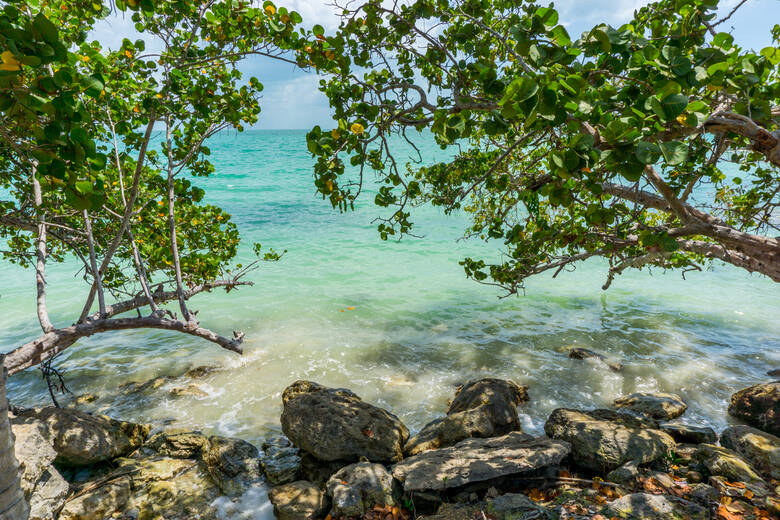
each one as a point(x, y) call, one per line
point(620, 143)
point(98, 146)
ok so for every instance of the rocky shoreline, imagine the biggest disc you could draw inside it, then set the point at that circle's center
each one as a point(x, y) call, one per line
point(343, 458)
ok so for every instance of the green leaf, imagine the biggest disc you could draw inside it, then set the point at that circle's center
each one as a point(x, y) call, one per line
point(520, 89)
point(648, 153)
point(772, 54)
point(674, 105)
point(717, 67)
point(47, 29)
point(94, 85)
point(84, 187)
point(674, 152)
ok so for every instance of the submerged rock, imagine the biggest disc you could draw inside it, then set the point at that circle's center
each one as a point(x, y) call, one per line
point(335, 424)
point(603, 440)
point(656, 405)
point(81, 439)
point(759, 406)
point(643, 506)
point(300, 500)
point(478, 460)
point(356, 488)
point(583, 353)
point(726, 463)
point(760, 449)
point(281, 461)
point(481, 408)
point(191, 390)
point(686, 433)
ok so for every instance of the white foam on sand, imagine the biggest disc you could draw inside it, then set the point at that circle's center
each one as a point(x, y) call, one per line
point(252, 505)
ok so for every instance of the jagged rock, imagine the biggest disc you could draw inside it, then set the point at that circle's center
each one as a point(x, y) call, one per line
point(356, 488)
point(512, 506)
point(759, 406)
point(319, 471)
point(478, 460)
point(584, 353)
point(335, 424)
point(481, 408)
point(624, 474)
point(686, 433)
point(49, 495)
point(726, 463)
point(300, 500)
point(704, 494)
point(81, 439)
point(643, 506)
point(760, 449)
point(656, 405)
point(34, 454)
point(281, 461)
point(179, 444)
point(169, 488)
point(98, 503)
point(233, 464)
point(603, 440)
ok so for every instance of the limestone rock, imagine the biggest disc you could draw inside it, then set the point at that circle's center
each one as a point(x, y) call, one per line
point(335, 424)
point(603, 440)
point(478, 461)
point(501, 398)
point(299, 500)
point(99, 503)
point(643, 506)
point(356, 488)
point(685, 433)
point(233, 464)
point(451, 429)
point(49, 495)
point(179, 444)
point(512, 506)
point(34, 454)
point(759, 406)
point(281, 461)
point(656, 405)
point(726, 463)
point(81, 439)
point(760, 449)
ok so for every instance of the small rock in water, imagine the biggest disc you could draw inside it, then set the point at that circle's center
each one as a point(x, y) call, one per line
point(584, 353)
point(298, 500)
point(686, 433)
point(281, 461)
point(200, 371)
point(759, 406)
point(192, 390)
point(656, 405)
point(233, 464)
point(774, 373)
point(356, 488)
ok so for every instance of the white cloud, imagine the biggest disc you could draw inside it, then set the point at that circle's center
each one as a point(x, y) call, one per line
point(294, 104)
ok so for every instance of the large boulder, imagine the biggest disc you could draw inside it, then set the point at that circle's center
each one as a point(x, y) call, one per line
point(335, 424)
point(478, 461)
point(644, 506)
point(81, 439)
point(34, 454)
point(299, 500)
point(726, 463)
point(357, 488)
point(759, 406)
point(760, 449)
point(603, 440)
point(481, 408)
point(656, 405)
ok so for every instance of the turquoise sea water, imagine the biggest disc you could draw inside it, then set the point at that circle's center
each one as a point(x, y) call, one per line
point(418, 327)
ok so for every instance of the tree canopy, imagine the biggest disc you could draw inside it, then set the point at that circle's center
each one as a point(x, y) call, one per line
point(619, 143)
point(98, 144)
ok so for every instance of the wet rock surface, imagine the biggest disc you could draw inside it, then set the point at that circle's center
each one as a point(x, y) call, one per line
point(335, 424)
point(603, 440)
point(686, 433)
point(656, 405)
point(281, 461)
point(584, 353)
point(760, 449)
point(759, 406)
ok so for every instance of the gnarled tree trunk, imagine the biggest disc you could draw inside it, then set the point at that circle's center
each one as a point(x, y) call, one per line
point(13, 506)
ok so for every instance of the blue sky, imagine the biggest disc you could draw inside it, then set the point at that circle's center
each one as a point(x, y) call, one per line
point(291, 99)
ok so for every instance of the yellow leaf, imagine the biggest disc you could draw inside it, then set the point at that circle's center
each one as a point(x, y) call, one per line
point(329, 185)
point(270, 10)
point(334, 133)
point(350, 308)
point(128, 54)
point(357, 128)
point(9, 61)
